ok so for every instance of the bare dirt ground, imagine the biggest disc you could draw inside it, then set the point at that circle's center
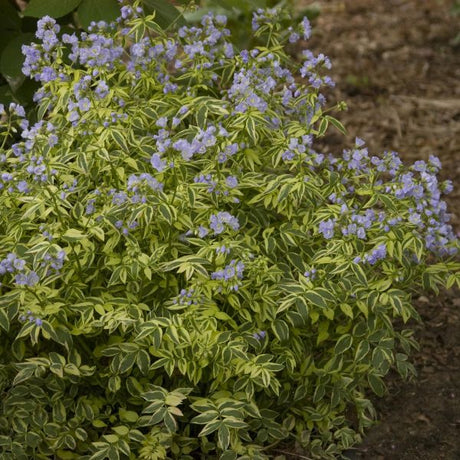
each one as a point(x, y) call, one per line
point(397, 66)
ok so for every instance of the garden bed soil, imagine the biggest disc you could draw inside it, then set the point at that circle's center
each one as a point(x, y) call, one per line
point(397, 65)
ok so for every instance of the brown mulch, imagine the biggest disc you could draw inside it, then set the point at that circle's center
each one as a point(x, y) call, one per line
point(397, 66)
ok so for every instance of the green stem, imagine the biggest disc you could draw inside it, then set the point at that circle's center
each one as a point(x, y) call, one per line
point(61, 221)
point(40, 301)
point(56, 206)
point(270, 36)
point(7, 134)
point(80, 268)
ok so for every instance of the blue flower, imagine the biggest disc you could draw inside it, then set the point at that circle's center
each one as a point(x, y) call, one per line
point(202, 231)
point(218, 220)
point(259, 335)
point(157, 162)
point(30, 279)
point(305, 27)
point(377, 254)
point(101, 90)
point(231, 272)
point(327, 228)
point(231, 181)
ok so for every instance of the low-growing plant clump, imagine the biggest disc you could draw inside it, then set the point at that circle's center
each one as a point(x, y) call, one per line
point(183, 274)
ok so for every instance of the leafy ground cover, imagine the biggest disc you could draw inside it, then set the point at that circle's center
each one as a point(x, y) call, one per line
point(435, 430)
point(398, 61)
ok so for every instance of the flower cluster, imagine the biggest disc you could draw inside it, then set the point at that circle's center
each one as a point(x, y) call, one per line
point(204, 45)
point(186, 297)
point(54, 263)
point(310, 274)
point(31, 318)
point(201, 142)
point(379, 253)
point(326, 227)
point(298, 146)
point(23, 277)
point(310, 68)
point(230, 273)
point(259, 335)
point(218, 222)
point(418, 188)
point(214, 186)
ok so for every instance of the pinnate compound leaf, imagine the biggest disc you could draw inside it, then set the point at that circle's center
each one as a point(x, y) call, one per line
point(210, 428)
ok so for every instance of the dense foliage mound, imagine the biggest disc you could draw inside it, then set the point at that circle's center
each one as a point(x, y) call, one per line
point(183, 274)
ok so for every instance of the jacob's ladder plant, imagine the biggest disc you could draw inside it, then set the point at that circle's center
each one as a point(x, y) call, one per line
point(183, 274)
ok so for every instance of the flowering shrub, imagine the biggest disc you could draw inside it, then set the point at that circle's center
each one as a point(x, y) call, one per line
point(182, 272)
point(18, 21)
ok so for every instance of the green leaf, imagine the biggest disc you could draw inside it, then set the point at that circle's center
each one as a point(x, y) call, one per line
point(343, 344)
point(53, 8)
point(12, 58)
point(363, 307)
point(281, 330)
point(23, 375)
point(73, 235)
point(210, 428)
point(158, 416)
point(128, 415)
point(114, 383)
point(59, 412)
point(4, 321)
point(205, 417)
point(166, 13)
point(112, 438)
point(99, 424)
point(121, 430)
point(319, 393)
point(9, 20)
point(232, 422)
point(120, 140)
point(98, 10)
point(100, 454)
point(170, 422)
point(98, 232)
point(376, 384)
point(223, 436)
point(336, 123)
point(127, 362)
point(113, 453)
point(323, 127)
point(143, 361)
point(359, 273)
point(302, 308)
point(32, 439)
point(229, 455)
point(347, 310)
point(167, 212)
point(323, 333)
point(362, 350)
point(316, 299)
